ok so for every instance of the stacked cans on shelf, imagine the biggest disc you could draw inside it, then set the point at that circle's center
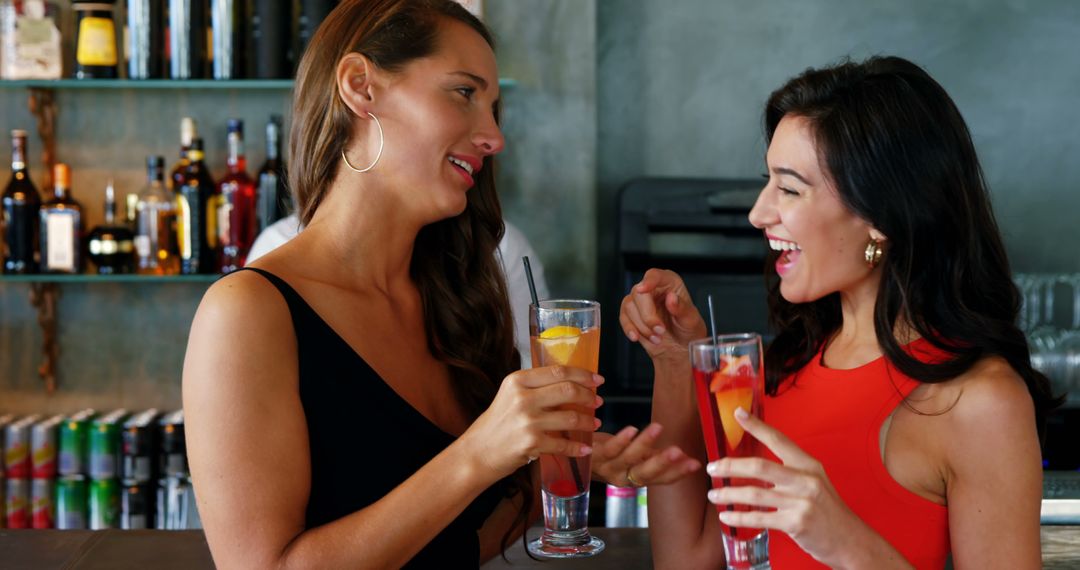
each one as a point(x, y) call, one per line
point(626, 507)
point(28, 470)
point(90, 471)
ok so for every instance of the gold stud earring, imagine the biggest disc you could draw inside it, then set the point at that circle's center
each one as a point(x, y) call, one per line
point(873, 253)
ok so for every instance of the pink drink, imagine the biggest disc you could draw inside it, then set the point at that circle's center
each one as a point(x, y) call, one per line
point(723, 382)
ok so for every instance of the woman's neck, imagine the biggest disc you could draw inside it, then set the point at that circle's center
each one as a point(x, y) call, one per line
point(856, 343)
point(367, 237)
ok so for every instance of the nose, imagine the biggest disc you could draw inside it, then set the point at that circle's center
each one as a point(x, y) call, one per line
point(489, 138)
point(763, 214)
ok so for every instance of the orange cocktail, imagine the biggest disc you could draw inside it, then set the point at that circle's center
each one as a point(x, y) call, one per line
point(566, 333)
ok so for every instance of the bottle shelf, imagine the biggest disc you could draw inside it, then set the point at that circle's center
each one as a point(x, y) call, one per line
point(150, 84)
point(86, 84)
point(95, 278)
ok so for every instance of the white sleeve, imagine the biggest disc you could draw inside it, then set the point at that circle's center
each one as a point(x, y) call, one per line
point(513, 247)
point(273, 236)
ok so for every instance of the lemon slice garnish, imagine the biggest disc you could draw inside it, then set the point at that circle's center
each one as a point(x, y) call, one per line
point(559, 343)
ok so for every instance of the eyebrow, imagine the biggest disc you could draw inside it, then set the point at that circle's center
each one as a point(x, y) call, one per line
point(480, 80)
point(791, 172)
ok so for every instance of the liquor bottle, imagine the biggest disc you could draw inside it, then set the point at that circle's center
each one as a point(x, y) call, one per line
point(229, 37)
point(146, 39)
point(111, 245)
point(269, 32)
point(188, 23)
point(155, 246)
point(131, 209)
point(236, 209)
point(95, 51)
point(188, 132)
point(20, 215)
point(61, 227)
point(272, 196)
point(194, 203)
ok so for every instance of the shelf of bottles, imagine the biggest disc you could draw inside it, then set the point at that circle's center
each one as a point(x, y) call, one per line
point(181, 84)
point(194, 84)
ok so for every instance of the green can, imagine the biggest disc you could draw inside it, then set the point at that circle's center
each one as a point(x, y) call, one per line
point(104, 504)
point(74, 441)
point(71, 502)
point(105, 445)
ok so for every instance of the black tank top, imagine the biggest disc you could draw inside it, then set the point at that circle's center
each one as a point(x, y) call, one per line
point(366, 440)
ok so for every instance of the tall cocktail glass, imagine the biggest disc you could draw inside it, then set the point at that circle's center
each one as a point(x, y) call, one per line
point(729, 374)
point(565, 332)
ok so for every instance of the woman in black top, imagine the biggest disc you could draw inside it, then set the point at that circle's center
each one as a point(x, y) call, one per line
point(354, 400)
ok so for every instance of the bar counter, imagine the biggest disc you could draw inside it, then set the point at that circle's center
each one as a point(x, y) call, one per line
point(627, 549)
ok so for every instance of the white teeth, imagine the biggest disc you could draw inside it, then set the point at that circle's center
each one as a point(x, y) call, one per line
point(463, 164)
point(781, 245)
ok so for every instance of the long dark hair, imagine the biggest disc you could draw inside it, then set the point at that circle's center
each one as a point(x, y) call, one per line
point(901, 157)
point(462, 287)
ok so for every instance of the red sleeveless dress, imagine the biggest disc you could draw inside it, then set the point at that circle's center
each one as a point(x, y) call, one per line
point(836, 416)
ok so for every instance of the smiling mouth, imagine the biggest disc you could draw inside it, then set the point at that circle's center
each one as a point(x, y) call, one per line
point(462, 164)
point(789, 254)
point(783, 245)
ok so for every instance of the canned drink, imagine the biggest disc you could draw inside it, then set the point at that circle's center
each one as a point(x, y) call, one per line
point(42, 503)
point(173, 450)
point(136, 504)
point(74, 444)
point(138, 447)
point(104, 504)
point(4, 422)
point(18, 503)
point(17, 448)
point(621, 507)
point(43, 441)
point(176, 509)
point(71, 502)
point(105, 445)
point(643, 507)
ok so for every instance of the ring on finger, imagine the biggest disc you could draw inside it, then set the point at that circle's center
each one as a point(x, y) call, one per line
point(630, 478)
point(532, 458)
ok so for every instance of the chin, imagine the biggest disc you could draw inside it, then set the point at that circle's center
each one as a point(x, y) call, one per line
point(796, 296)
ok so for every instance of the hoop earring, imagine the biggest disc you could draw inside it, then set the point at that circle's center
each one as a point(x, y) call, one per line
point(377, 156)
point(873, 253)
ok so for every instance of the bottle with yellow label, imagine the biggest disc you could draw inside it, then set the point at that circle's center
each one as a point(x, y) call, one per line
point(95, 39)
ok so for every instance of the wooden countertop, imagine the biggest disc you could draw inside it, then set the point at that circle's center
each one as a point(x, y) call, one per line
point(627, 549)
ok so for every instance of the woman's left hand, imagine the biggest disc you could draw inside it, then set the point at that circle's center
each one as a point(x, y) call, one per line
point(631, 459)
point(801, 501)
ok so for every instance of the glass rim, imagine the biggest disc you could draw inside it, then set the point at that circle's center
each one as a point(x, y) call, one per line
point(726, 339)
point(581, 305)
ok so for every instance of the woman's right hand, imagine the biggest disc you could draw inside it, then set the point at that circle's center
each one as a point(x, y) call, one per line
point(526, 418)
point(659, 313)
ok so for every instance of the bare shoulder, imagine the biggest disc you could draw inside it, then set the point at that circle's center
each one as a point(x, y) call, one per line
point(991, 389)
point(242, 329)
point(992, 418)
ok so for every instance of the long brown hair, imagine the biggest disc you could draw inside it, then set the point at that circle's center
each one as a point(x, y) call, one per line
point(466, 308)
point(902, 158)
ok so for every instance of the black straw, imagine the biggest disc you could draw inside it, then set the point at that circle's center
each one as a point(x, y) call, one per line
point(532, 284)
point(536, 302)
point(712, 320)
